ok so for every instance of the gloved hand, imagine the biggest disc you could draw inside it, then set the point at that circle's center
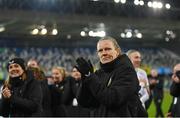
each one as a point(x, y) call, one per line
point(84, 67)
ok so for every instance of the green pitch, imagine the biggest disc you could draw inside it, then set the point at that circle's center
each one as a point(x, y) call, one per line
point(165, 105)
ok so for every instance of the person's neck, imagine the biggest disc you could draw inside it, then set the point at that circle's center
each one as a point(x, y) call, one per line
point(110, 65)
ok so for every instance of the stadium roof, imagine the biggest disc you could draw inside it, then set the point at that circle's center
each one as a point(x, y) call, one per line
point(80, 18)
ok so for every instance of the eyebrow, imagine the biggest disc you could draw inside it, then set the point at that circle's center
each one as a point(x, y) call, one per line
point(104, 49)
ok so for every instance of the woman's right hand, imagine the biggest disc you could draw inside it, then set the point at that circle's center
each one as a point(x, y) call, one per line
point(6, 92)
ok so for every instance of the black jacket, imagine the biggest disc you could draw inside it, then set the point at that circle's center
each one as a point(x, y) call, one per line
point(76, 111)
point(46, 100)
point(174, 89)
point(175, 106)
point(157, 88)
point(75, 86)
point(110, 90)
point(25, 100)
point(62, 96)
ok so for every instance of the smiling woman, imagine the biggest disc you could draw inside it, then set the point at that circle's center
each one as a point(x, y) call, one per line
point(21, 93)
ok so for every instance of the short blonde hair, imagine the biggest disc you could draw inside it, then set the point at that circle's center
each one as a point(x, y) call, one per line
point(115, 43)
point(129, 52)
point(61, 70)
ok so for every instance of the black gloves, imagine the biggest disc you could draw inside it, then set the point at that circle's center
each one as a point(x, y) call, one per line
point(84, 67)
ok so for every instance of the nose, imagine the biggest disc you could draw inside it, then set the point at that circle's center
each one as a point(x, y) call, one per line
point(139, 59)
point(104, 52)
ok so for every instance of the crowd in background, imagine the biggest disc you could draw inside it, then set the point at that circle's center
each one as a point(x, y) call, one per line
point(161, 59)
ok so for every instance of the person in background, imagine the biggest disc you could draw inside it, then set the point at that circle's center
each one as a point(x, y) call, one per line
point(33, 63)
point(76, 110)
point(50, 80)
point(109, 91)
point(40, 76)
point(21, 94)
point(156, 84)
point(75, 84)
point(61, 92)
point(144, 92)
point(174, 110)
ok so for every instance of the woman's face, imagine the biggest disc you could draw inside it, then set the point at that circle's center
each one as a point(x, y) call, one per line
point(57, 76)
point(15, 70)
point(76, 74)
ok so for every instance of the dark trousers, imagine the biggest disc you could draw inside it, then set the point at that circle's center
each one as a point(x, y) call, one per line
point(158, 103)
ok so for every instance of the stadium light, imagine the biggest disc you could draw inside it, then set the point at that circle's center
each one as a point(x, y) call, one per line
point(54, 32)
point(97, 34)
point(167, 39)
point(149, 4)
point(168, 6)
point(141, 2)
point(101, 33)
point(170, 34)
point(160, 5)
point(2, 28)
point(68, 36)
point(35, 31)
point(139, 35)
point(128, 34)
point(157, 5)
point(123, 35)
point(136, 2)
point(83, 33)
point(43, 31)
point(123, 1)
point(91, 33)
point(116, 1)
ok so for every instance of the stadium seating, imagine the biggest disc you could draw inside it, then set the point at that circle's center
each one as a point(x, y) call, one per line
point(65, 57)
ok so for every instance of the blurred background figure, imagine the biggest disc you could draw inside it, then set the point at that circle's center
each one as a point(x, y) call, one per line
point(144, 91)
point(156, 86)
point(21, 94)
point(174, 110)
point(61, 92)
point(50, 80)
point(32, 63)
point(75, 84)
point(39, 75)
point(76, 110)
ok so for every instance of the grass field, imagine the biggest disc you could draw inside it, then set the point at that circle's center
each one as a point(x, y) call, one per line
point(165, 105)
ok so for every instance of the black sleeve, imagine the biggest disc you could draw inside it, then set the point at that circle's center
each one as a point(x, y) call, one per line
point(123, 86)
point(67, 94)
point(85, 97)
point(174, 89)
point(5, 107)
point(32, 101)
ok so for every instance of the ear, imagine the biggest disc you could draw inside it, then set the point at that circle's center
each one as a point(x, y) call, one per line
point(118, 51)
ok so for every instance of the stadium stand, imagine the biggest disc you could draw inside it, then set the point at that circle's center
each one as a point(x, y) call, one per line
point(65, 57)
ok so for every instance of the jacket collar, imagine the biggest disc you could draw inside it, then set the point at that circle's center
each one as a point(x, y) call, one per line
point(121, 60)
